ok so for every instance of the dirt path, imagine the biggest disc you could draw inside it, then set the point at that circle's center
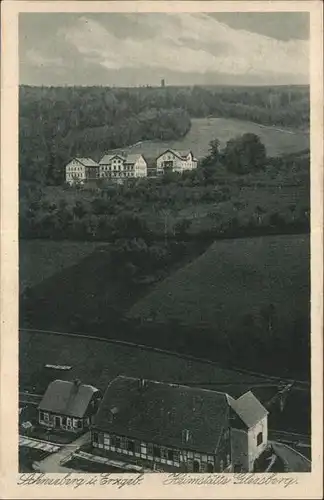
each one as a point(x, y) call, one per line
point(52, 463)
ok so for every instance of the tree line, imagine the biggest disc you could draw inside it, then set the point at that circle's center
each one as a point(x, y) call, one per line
point(57, 123)
point(108, 211)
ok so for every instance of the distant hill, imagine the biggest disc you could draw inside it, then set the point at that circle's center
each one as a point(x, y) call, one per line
point(57, 123)
point(278, 141)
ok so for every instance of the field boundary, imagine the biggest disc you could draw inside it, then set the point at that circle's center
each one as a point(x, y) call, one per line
point(305, 385)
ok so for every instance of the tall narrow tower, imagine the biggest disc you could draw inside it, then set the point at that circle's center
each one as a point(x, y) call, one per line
point(162, 82)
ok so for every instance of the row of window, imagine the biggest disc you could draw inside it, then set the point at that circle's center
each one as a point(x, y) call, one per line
point(132, 446)
point(118, 174)
point(60, 421)
point(93, 175)
point(193, 465)
point(126, 167)
point(157, 453)
point(175, 167)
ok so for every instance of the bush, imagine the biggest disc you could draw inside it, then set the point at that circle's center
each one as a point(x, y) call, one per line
point(244, 154)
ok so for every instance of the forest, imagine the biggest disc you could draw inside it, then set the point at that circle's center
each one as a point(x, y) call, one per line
point(221, 198)
point(57, 123)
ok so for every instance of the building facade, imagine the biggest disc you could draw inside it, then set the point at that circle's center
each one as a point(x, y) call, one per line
point(175, 161)
point(68, 406)
point(120, 166)
point(159, 457)
point(170, 427)
point(81, 170)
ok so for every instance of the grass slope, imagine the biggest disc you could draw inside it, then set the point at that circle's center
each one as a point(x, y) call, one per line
point(78, 292)
point(277, 140)
point(40, 259)
point(98, 362)
point(232, 278)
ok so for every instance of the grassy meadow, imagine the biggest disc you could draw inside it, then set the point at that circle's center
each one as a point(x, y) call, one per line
point(110, 360)
point(41, 259)
point(232, 278)
point(277, 140)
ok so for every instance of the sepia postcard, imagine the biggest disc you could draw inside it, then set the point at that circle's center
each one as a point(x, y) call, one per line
point(161, 249)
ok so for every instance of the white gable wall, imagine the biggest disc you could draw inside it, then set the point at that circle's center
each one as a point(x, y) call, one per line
point(179, 165)
point(255, 450)
point(118, 168)
point(140, 167)
point(75, 172)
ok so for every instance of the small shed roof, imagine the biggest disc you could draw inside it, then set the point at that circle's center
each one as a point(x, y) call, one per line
point(67, 398)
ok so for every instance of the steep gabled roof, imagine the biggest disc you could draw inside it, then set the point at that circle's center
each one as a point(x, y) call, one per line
point(180, 154)
point(163, 413)
point(87, 162)
point(249, 409)
point(67, 398)
point(184, 154)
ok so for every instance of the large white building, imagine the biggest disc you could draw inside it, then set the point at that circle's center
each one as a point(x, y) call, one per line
point(175, 161)
point(81, 170)
point(119, 166)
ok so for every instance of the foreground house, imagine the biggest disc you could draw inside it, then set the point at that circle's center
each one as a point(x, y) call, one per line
point(175, 161)
point(68, 405)
point(81, 170)
point(178, 428)
point(122, 166)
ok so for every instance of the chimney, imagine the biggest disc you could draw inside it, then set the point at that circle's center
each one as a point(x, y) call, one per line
point(77, 383)
point(113, 412)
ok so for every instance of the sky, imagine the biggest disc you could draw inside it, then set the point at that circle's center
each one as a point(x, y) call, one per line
point(134, 49)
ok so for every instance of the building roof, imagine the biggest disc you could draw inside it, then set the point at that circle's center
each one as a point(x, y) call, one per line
point(164, 413)
point(249, 409)
point(183, 154)
point(87, 162)
point(129, 158)
point(107, 158)
point(180, 154)
point(132, 158)
point(67, 398)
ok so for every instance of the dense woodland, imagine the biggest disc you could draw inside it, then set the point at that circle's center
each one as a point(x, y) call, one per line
point(57, 123)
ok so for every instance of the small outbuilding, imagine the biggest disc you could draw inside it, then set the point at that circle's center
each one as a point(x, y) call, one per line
point(68, 405)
